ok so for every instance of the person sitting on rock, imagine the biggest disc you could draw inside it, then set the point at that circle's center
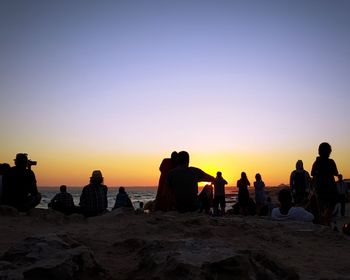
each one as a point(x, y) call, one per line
point(93, 199)
point(122, 200)
point(183, 180)
point(19, 185)
point(63, 201)
point(286, 211)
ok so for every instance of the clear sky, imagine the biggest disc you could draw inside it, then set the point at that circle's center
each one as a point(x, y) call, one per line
point(118, 85)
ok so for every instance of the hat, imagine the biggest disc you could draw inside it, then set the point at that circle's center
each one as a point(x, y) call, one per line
point(21, 157)
point(96, 175)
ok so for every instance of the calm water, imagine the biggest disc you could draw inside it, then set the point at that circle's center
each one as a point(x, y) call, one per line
point(136, 195)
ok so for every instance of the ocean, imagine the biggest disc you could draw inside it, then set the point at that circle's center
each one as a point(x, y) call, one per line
point(136, 194)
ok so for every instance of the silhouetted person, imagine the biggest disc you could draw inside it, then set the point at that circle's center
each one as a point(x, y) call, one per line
point(19, 185)
point(122, 199)
point(183, 180)
point(342, 190)
point(206, 199)
point(219, 194)
point(165, 200)
point(286, 211)
point(63, 201)
point(299, 183)
point(323, 171)
point(93, 199)
point(4, 169)
point(260, 195)
point(140, 210)
point(243, 194)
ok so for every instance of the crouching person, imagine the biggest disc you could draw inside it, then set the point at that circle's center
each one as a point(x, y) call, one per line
point(19, 185)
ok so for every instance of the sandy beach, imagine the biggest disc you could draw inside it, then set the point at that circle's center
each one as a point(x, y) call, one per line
point(44, 244)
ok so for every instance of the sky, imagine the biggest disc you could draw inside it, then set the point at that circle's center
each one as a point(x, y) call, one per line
point(118, 85)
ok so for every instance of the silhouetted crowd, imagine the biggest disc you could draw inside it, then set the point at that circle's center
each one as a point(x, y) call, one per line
point(309, 198)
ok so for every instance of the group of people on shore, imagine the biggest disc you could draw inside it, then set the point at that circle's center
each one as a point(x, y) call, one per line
point(317, 194)
point(309, 198)
point(19, 190)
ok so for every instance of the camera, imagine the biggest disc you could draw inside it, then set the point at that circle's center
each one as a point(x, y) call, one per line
point(31, 162)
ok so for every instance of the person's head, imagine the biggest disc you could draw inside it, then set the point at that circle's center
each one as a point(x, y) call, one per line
point(141, 204)
point(219, 174)
point(340, 177)
point(324, 150)
point(4, 168)
point(96, 177)
point(121, 190)
point(21, 160)
point(173, 158)
point(285, 198)
point(63, 188)
point(244, 176)
point(183, 158)
point(299, 165)
point(258, 177)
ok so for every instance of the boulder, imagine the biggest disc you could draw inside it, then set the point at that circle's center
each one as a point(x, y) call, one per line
point(54, 257)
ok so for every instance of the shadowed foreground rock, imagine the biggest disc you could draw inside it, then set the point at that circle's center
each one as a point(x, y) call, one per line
point(196, 259)
point(49, 257)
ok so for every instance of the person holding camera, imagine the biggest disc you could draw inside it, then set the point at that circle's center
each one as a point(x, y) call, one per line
point(20, 189)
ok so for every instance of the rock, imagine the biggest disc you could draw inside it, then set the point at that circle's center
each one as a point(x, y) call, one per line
point(49, 257)
point(197, 259)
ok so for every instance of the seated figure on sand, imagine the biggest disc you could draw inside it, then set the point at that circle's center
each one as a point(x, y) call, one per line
point(63, 202)
point(122, 200)
point(165, 199)
point(93, 199)
point(206, 199)
point(286, 211)
point(183, 180)
point(19, 185)
point(219, 194)
point(300, 183)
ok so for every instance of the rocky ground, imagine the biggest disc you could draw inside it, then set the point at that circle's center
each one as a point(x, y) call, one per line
point(44, 244)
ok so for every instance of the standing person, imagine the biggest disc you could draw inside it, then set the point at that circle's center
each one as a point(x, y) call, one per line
point(165, 198)
point(183, 180)
point(93, 199)
point(63, 201)
point(260, 195)
point(19, 185)
point(323, 171)
point(243, 194)
point(219, 194)
point(342, 190)
point(122, 199)
point(299, 183)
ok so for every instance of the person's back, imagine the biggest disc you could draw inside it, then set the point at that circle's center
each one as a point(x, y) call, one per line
point(63, 201)
point(164, 198)
point(323, 171)
point(183, 180)
point(122, 199)
point(93, 200)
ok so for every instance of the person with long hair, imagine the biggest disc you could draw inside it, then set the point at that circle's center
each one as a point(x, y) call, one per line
point(243, 194)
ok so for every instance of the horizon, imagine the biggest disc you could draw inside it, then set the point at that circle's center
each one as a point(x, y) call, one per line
point(117, 86)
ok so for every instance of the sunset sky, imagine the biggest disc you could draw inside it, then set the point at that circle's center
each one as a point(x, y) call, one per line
point(118, 85)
